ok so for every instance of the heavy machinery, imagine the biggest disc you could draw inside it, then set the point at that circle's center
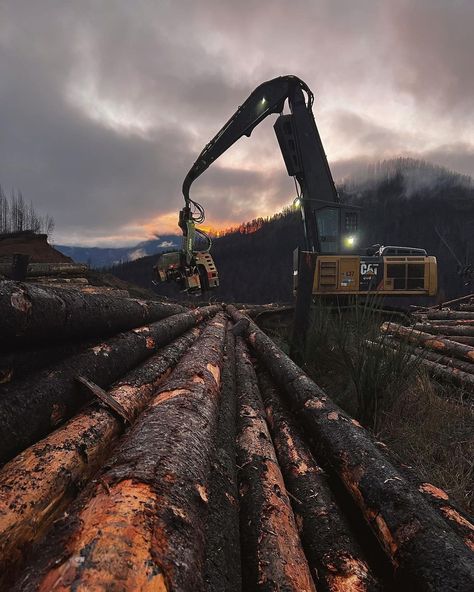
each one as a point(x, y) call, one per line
point(332, 229)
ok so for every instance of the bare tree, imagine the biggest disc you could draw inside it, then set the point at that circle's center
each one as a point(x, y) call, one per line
point(16, 215)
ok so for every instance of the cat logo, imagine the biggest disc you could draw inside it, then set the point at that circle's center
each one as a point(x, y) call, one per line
point(368, 270)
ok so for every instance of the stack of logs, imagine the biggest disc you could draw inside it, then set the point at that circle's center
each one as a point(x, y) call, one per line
point(189, 453)
point(442, 341)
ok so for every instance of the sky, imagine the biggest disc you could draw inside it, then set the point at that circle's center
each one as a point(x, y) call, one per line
point(105, 104)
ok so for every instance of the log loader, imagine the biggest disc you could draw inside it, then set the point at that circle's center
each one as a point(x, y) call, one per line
point(332, 228)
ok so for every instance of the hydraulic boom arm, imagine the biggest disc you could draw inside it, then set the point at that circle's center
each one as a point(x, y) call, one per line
point(303, 152)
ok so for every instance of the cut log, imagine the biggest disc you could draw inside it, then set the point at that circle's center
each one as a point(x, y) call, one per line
point(426, 556)
point(458, 330)
point(140, 525)
point(70, 281)
point(430, 355)
point(272, 556)
point(222, 567)
point(333, 554)
point(450, 323)
point(462, 339)
point(46, 269)
point(439, 344)
point(36, 485)
point(466, 307)
point(454, 516)
point(450, 314)
point(33, 313)
point(19, 364)
point(31, 408)
point(464, 380)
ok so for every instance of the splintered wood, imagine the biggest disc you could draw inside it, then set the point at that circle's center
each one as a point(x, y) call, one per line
point(192, 455)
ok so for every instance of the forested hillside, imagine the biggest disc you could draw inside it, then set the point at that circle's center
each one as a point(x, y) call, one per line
point(406, 202)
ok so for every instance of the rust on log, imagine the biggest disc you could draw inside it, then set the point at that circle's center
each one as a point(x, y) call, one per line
point(272, 556)
point(333, 554)
point(140, 524)
point(222, 567)
point(439, 344)
point(31, 408)
point(32, 313)
point(426, 555)
point(41, 481)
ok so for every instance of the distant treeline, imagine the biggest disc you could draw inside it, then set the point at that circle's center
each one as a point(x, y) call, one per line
point(256, 265)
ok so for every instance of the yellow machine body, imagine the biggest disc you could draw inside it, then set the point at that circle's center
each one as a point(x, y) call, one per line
point(391, 275)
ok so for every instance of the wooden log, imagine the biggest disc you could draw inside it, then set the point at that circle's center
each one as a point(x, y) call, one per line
point(40, 482)
point(140, 525)
point(19, 364)
point(30, 409)
point(450, 314)
point(439, 344)
point(222, 567)
point(455, 517)
point(33, 314)
point(462, 339)
point(430, 355)
point(334, 556)
point(426, 556)
point(71, 281)
point(455, 301)
point(458, 330)
point(460, 378)
point(272, 556)
point(47, 269)
point(466, 307)
point(450, 323)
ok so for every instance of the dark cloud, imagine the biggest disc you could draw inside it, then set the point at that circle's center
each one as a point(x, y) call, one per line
point(105, 106)
point(433, 45)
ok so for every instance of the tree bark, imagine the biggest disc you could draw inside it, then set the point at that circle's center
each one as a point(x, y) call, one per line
point(425, 555)
point(454, 516)
point(39, 483)
point(30, 409)
point(272, 556)
point(140, 525)
point(222, 567)
point(334, 556)
point(33, 313)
